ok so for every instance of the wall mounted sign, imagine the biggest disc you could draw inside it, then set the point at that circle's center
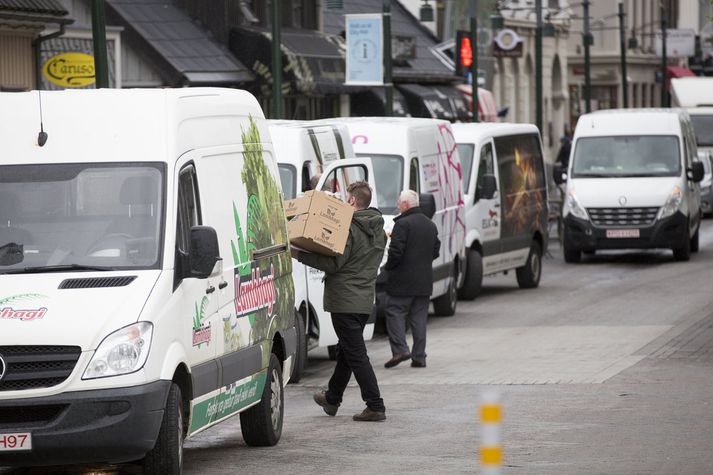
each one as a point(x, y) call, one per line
point(365, 50)
point(70, 70)
point(507, 43)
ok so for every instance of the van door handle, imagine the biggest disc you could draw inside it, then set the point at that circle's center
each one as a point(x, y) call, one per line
point(222, 285)
point(210, 290)
point(268, 252)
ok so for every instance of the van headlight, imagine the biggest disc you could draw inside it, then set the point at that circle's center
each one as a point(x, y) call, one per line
point(673, 203)
point(572, 206)
point(123, 352)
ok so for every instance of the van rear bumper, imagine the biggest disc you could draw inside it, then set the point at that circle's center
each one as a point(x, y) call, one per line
point(102, 426)
point(581, 235)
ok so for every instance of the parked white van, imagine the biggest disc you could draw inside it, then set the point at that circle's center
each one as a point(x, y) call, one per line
point(505, 201)
point(632, 182)
point(145, 281)
point(305, 151)
point(421, 155)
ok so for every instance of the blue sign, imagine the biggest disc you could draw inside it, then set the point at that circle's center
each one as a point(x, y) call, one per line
point(365, 50)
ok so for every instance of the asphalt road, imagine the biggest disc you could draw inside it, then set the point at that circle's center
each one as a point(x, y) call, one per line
point(607, 368)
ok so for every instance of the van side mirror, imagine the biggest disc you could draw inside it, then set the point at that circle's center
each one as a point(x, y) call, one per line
point(559, 174)
point(204, 253)
point(696, 172)
point(487, 186)
point(427, 204)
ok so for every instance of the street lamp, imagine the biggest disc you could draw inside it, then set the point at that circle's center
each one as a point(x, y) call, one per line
point(388, 85)
point(276, 61)
point(588, 40)
point(473, 11)
point(622, 47)
point(101, 67)
point(426, 12)
point(664, 59)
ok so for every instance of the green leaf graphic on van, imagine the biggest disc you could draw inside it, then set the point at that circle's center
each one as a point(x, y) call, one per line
point(200, 314)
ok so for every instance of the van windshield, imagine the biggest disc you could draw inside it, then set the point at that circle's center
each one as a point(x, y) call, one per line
point(703, 126)
point(389, 178)
point(465, 151)
point(626, 156)
point(93, 216)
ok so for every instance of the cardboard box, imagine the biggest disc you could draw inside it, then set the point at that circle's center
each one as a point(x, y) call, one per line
point(318, 222)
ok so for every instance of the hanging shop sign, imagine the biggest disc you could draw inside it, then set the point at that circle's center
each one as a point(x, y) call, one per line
point(365, 50)
point(70, 70)
point(508, 44)
point(679, 43)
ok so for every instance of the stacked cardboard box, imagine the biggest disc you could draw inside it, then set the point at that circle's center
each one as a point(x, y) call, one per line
point(318, 222)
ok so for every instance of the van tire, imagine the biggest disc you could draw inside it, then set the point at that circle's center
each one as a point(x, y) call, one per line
point(571, 256)
point(301, 351)
point(695, 241)
point(528, 276)
point(261, 425)
point(473, 281)
point(167, 455)
point(445, 305)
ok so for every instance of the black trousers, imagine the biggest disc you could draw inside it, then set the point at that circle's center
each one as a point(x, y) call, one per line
point(352, 358)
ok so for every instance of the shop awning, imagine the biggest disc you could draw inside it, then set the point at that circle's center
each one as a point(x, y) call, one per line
point(439, 101)
point(180, 47)
point(678, 72)
point(312, 61)
point(372, 103)
point(488, 111)
point(34, 11)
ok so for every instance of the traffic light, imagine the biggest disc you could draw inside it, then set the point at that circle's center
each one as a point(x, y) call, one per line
point(463, 53)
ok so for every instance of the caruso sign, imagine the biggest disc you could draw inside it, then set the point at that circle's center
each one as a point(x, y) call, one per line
point(70, 70)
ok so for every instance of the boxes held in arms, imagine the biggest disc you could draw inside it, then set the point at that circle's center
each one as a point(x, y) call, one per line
point(319, 223)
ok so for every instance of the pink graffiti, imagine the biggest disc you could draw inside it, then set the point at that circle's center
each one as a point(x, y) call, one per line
point(364, 139)
point(452, 191)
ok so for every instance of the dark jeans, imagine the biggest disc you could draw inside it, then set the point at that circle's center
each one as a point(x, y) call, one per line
point(352, 358)
point(399, 310)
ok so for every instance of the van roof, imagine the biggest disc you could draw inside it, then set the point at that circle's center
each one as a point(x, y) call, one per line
point(119, 125)
point(630, 121)
point(474, 132)
point(692, 91)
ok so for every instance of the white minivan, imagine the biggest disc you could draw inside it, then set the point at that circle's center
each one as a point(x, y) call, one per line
point(146, 286)
point(305, 152)
point(505, 190)
point(421, 155)
point(632, 182)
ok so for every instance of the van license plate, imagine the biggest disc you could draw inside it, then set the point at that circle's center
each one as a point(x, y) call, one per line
point(15, 442)
point(622, 233)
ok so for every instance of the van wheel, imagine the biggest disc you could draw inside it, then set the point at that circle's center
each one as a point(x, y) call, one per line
point(695, 241)
point(473, 276)
point(261, 425)
point(528, 276)
point(445, 305)
point(571, 256)
point(167, 455)
point(301, 351)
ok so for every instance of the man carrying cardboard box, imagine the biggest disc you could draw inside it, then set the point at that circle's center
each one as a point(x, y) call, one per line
point(349, 289)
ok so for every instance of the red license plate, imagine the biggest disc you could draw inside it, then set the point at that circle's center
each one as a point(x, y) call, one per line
point(15, 442)
point(622, 233)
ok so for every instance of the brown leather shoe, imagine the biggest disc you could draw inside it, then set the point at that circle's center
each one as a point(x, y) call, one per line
point(321, 399)
point(367, 415)
point(396, 359)
point(418, 364)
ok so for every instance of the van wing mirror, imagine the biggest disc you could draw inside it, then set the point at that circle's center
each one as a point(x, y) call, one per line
point(427, 203)
point(487, 186)
point(696, 172)
point(559, 173)
point(204, 252)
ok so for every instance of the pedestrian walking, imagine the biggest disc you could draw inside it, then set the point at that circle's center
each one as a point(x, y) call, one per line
point(349, 290)
point(414, 246)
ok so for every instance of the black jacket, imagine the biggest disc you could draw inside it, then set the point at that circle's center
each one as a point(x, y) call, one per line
point(414, 246)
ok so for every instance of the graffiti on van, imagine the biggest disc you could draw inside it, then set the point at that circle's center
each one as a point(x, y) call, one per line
point(451, 191)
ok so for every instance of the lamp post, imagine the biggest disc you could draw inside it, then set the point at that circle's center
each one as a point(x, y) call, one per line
point(622, 47)
point(276, 61)
point(101, 67)
point(388, 85)
point(475, 112)
point(664, 59)
point(538, 65)
point(587, 66)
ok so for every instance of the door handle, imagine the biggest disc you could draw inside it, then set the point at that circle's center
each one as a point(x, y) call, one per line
point(222, 285)
point(210, 290)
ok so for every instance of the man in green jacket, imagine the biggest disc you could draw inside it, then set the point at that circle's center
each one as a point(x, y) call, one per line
point(349, 288)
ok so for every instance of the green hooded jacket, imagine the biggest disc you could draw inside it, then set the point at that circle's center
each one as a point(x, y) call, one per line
point(350, 279)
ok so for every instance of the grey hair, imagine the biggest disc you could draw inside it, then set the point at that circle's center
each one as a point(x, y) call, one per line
point(410, 197)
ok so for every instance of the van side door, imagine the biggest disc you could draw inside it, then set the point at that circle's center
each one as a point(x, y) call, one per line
point(486, 206)
point(339, 175)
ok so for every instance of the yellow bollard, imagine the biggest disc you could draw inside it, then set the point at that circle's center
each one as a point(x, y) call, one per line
point(491, 450)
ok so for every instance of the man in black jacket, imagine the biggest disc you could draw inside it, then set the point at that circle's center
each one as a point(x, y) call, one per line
point(414, 246)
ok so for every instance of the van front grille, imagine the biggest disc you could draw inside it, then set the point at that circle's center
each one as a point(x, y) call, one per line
point(32, 367)
point(632, 217)
point(12, 416)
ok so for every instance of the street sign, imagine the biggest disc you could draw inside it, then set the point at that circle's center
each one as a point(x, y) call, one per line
point(507, 44)
point(365, 50)
point(679, 43)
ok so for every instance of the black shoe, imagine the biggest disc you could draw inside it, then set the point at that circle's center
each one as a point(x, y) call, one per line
point(396, 359)
point(321, 399)
point(367, 415)
point(418, 364)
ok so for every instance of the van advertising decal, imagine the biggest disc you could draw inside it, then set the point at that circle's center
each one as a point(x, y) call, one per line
point(10, 310)
point(201, 331)
point(255, 292)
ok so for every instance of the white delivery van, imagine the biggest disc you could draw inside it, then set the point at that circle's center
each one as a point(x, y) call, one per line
point(305, 151)
point(632, 182)
point(145, 278)
point(421, 155)
point(505, 202)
